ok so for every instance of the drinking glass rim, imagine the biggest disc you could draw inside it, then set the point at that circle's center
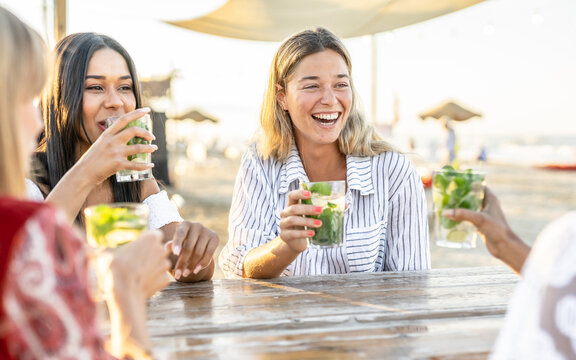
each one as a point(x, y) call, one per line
point(116, 205)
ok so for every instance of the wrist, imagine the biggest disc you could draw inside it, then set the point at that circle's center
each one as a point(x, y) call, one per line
point(294, 247)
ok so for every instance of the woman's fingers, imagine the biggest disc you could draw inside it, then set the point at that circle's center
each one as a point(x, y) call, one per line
point(138, 149)
point(475, 217)
point(291, 222)
point(134, 131)
point(195, 246)
point(295, 196)
point(121, 122)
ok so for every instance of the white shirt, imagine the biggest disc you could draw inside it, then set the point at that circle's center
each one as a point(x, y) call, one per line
point(162, 210)
point(541, 318)
point(385, 224)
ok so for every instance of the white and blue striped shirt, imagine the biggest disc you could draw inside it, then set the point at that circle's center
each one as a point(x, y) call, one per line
point(385, 224)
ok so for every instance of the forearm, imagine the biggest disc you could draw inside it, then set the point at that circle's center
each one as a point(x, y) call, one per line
point(70, 193)
point(268, 260)
point(128, 328)
point(513, 251)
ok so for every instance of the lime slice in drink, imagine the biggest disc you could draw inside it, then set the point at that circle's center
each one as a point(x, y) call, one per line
point(457, 236)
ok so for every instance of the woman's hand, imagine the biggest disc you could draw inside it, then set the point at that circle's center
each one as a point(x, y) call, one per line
point(140, 266)
point(292, 221)
point(499, 238)
point(271, 259)
point(193, 246)
point(109, 153)
point(133, 273)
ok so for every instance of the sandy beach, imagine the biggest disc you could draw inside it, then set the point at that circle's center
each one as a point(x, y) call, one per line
point(530, 197)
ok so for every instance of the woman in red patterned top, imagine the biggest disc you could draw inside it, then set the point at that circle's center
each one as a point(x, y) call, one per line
point(45, 306)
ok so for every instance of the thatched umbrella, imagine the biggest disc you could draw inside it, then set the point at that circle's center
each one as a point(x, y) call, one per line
point(451, 111)
point(196, 116)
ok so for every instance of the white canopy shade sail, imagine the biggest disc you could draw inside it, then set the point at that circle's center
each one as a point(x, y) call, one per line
point(275, 20)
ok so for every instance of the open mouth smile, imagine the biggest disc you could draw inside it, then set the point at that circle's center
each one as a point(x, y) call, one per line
point(326, 119)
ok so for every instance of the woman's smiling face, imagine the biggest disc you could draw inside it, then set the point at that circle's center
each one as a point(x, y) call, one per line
point(318, 97)
point(108, 91)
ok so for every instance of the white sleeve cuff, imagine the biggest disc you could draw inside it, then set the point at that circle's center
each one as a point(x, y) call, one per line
point(162, 210)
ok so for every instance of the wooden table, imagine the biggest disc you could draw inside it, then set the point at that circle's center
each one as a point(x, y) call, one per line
point(437, 314)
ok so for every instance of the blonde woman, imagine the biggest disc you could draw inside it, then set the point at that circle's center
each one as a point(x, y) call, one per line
point(45, 306)
point(311, 128)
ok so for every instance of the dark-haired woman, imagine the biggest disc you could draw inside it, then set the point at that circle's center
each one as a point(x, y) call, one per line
point(94, 78)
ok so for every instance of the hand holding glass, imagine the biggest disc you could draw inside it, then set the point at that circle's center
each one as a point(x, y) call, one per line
point(109, 226)
point(136, 175)
point(452, 189)
point(330, 195)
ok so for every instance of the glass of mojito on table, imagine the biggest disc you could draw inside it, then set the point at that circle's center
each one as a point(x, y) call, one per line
point(452, 189)
point(145, 122)
point(112, 225)
point(330, 195)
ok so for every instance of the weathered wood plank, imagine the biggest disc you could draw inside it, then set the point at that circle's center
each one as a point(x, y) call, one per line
point(436, 314)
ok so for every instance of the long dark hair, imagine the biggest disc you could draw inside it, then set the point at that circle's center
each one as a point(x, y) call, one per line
point(62, 111)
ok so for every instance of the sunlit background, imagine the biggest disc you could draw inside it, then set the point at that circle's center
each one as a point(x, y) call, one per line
point(513, 61)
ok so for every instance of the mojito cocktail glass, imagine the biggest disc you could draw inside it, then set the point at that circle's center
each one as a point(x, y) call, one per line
point(126, 175)
point(112, 225)
point(452, 189)
point(330, 195)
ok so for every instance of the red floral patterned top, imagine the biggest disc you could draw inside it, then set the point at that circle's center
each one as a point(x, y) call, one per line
point(46, 310)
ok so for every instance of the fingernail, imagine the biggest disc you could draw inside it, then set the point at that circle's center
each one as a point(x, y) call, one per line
point(176, 250)
point(197, 269)
point(448, 213)
point(155, 147)
point(177, 273)
point(310, 233)
point(187, 272)
point(318, 222)
point(318, 209)
point(306, 193)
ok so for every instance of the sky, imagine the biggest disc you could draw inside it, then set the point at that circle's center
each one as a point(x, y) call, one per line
point(514, 61)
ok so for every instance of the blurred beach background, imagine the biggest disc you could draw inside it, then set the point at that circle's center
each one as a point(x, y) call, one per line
point(513, 61)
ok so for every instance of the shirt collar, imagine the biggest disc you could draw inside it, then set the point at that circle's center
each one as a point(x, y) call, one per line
point(358, 172)
point(291, 171)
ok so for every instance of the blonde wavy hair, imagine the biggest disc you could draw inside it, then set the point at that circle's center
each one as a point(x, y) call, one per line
point(23, 71)
point(276, 134)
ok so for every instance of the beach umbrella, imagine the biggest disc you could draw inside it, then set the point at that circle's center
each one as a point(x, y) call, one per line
point(195, 115)
point(274, 20)
point(450, 110)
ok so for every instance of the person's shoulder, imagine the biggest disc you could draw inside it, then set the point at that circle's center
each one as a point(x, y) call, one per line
point(16, 208)
point(17, 212)
point(394, 161)
point(253, 156)
point(555, 242)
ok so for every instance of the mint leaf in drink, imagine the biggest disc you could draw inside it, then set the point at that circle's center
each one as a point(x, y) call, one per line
point(321, 188)
point(106, 219)
point(141, 123)
point(330, 233)
point(331, 230)
point(454, 189)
